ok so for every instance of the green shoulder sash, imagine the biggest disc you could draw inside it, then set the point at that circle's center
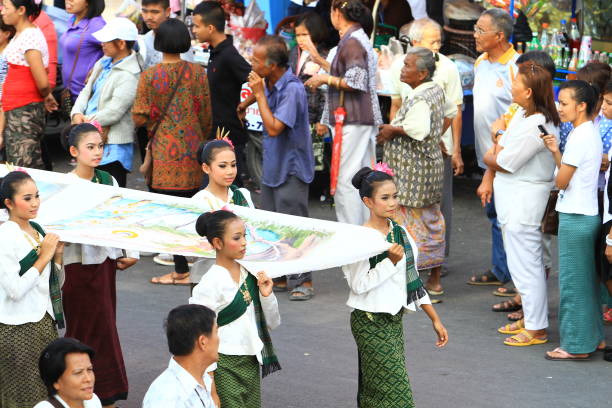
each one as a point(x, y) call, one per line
point(55, 291)
point(414, 285)
point(102, 177)
point(237, 197)
point(249, 292)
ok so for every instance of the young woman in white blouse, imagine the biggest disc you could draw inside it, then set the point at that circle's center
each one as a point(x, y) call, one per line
point(524, 171)
point(246, 309)
point(580, 323)
point(382, 288)
point(30, 297)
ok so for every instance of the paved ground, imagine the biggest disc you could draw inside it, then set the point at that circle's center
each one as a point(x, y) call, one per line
point(318, 354)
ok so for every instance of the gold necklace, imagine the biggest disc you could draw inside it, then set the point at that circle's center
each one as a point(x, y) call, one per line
point(36, 242)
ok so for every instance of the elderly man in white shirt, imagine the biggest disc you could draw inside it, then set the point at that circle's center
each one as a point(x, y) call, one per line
point(194, 343)
point(427, 33)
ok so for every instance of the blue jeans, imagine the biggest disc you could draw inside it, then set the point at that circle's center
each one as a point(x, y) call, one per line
point(498, 254)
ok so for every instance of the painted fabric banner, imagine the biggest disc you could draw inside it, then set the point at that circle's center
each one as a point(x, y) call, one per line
point(87, 213)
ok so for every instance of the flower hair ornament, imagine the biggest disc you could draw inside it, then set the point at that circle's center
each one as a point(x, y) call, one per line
point(222, 134)
point(383, 167)
point(11, 167)
point(97, 125)
point(37, 2)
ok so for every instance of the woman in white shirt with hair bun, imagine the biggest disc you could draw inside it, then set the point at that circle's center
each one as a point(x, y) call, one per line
point(524, 172)
point(580, 323)
point(67, 372)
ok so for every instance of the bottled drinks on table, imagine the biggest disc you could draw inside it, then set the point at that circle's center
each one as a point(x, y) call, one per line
point(544, 37)
point(573, 65)
point(563, 36)
point(574, 34)
point(595, 56)
point(603, 57)
point(585, 51)
point(519, 47)
point(554, 39)
point(567, 58)
point(558, 57)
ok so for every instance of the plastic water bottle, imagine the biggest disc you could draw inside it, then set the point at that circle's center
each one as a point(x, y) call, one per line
point(544, 37)
point(574, 34)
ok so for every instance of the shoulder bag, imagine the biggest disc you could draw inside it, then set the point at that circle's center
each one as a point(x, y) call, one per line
point(65, 97)
point(147, 164)
point(550, 220)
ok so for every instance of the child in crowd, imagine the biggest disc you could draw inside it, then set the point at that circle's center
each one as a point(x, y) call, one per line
point(580, 324)
point(246, 309)
point(90, 298)
point(30, 294)
point(381, 289)
point(26, 85)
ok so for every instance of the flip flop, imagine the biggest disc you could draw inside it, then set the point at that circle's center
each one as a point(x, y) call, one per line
point(519, 316)
point(306, 293)
point(277, 289)
point(531, 341)
point(171, 280)
point(435, 301)
point(507, 328)
point(434, 292)
point(568, 356)
point(487, 278)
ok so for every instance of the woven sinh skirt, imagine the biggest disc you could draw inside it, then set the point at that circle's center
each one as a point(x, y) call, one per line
point(20, 349)
point(383, 378)
point(90, 306)
point(427, 228)
point(580, 323)
point(237, 381)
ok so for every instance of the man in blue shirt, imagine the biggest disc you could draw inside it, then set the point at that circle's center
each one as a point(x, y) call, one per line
point(288, 162)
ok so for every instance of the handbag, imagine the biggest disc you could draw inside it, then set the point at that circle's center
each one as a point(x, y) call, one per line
point(66, 104)
point(550, 220)
point(146, 168)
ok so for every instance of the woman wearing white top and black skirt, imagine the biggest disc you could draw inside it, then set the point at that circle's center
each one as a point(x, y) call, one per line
point(524, 171)
point(30, 296)
point(580, 323)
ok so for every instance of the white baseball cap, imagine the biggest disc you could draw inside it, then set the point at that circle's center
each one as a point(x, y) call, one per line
point(119, 28)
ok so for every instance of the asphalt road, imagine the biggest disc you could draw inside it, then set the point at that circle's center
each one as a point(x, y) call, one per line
point(318, 354)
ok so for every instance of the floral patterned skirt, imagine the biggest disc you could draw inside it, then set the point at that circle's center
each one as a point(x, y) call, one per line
point(427, 227)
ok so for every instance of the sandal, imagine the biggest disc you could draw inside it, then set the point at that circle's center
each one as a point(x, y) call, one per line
point(171, 279)
point(607, 317)
point(301, 293)
point(505, 292)
point(507, 306)
point(486, 278)
point(519, 340)
point(433, 292)
point(515, 316)
point(507, 329)
point(562, 355)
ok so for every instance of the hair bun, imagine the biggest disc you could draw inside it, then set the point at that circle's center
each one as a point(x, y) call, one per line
point(358, 178)
point(202, 224)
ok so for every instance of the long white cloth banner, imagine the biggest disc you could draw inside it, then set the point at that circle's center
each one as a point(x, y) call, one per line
point(86, 213)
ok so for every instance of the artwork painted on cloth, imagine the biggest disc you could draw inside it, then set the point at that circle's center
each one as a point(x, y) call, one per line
point(87, 213)
point(170, 228)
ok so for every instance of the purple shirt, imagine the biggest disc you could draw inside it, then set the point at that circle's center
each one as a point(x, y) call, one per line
point(290, 153)
point(91, 51)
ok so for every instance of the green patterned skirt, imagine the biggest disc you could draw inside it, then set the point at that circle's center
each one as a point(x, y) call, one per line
point(383, 378)
point(20, 348)
point(580, 323)
point(237, 381)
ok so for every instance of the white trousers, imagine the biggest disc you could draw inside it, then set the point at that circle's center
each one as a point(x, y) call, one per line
point(524, 251)
point(358, 150)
